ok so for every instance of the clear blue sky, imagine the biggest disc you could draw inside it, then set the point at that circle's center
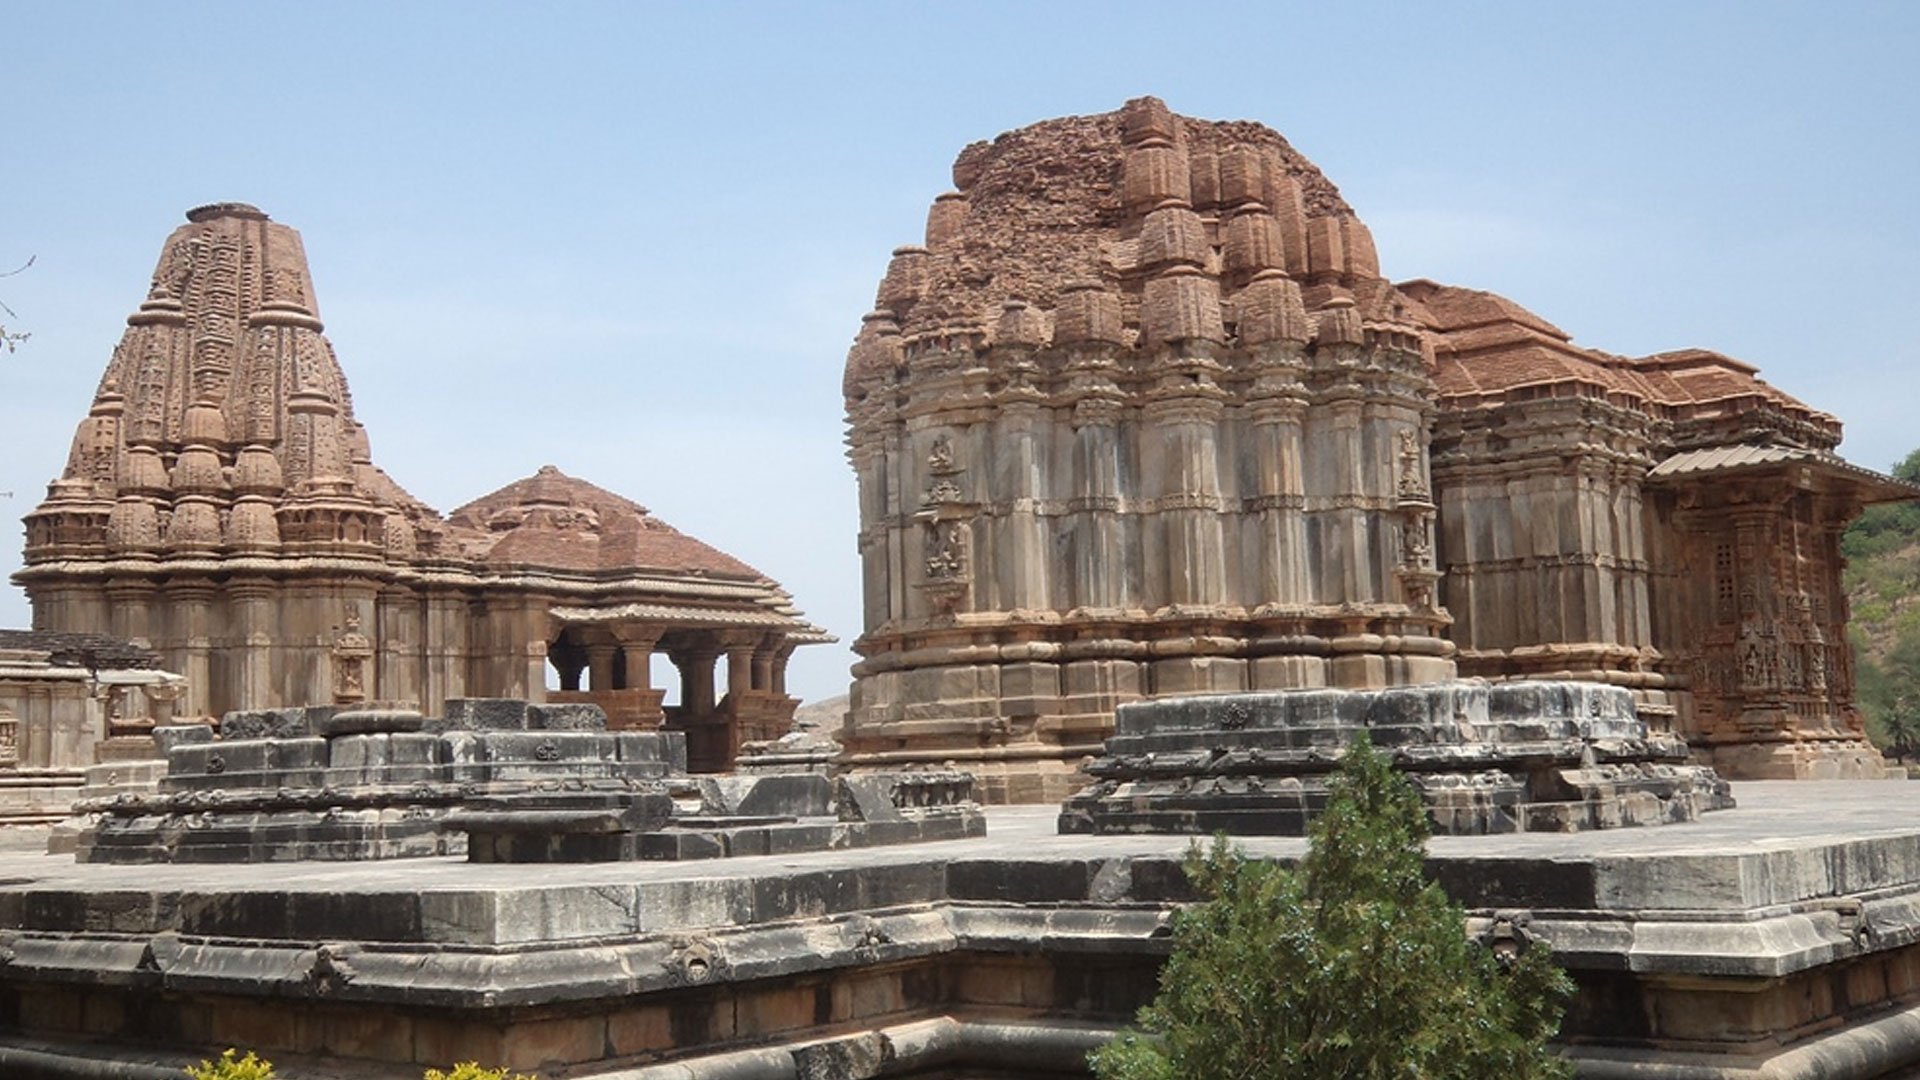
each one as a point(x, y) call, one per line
point(634, 240)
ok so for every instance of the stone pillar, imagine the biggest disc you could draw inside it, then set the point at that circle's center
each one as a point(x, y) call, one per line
point(637, 655)
point(1187, 488)
point(1281, 498)
point(1020, 557)
point(739, 668)
point(600, 665)
point(778, 679)
point(570, 668)
point(696, 677)
point(396, 632)
point(763, 655)
point(253, 674)
point(192, 635)
point(1097, 581)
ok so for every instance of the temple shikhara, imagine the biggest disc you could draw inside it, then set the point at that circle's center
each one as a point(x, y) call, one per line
point(1142, 418)
point(221, 507)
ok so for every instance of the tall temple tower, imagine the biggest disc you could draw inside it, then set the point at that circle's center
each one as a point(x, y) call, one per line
point(1140, 418)
point(220, 505)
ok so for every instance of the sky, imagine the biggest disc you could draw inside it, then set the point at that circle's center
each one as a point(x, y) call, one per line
point(635, 240)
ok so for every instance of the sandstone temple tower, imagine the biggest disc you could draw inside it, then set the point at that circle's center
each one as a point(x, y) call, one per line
point(221, 506)
point(1142, 418)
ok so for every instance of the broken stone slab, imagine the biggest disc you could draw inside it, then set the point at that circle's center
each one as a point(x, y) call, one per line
point(567, 716)
point(484, 714)
point(785, 794)
point(368, 721)
point(291, 723)
point(168, 736)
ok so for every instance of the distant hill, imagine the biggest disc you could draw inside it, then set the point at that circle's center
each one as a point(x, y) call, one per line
point(1882, 580)
point(824, 714)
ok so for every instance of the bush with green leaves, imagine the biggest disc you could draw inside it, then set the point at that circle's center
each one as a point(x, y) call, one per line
point(231, 1066)
point(471, 1070)
point(1353, 967)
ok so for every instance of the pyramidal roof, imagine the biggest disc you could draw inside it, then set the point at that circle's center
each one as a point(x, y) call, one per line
point(223, 405)
point(555, 520)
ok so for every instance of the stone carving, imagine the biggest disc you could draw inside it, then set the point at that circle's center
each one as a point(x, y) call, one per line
point(351, 652)
point(947, 559)
point(940, 457)
point(9, 739)
point(1413, 482)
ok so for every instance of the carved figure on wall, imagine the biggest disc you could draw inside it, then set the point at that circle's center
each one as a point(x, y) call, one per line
point(351, 651)
point(1411, 480)
point(947, 556)
point(940, 457)
point(1415, 550)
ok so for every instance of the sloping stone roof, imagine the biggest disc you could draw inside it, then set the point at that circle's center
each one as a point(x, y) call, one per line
point(560, 522)
point(96, 651)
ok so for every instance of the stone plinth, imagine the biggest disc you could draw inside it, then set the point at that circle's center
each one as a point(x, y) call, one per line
point(1780, 938)
point(378, 783)
point(767, 814)
point(1506, 757)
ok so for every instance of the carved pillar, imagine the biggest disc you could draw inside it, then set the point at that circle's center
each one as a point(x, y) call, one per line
point(1280, 495)
point(946, 532)
point(194, 644)
point(253, 673)
point(1021, 557)
point(1097, 555)
point(1184, 471)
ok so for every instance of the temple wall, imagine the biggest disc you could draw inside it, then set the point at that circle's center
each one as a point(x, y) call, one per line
point(1542, 539)
point(1757, 619)
point(1031, 568)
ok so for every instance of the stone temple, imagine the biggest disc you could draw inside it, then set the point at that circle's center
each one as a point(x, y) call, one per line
point(1165, 496)
point(1142, 418)
point(221, 506)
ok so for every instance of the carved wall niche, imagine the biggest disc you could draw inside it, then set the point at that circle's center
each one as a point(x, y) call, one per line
point(946, 531)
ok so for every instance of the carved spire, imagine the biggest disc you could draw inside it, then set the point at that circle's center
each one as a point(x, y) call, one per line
point(222, 402)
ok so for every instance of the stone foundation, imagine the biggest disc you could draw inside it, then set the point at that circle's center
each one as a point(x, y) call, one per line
point(1778, 939)
point(1487, 758)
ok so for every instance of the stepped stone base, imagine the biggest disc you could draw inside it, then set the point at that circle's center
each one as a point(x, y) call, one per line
point(1835, 759)
point(1778, 939)
point(1487, 758)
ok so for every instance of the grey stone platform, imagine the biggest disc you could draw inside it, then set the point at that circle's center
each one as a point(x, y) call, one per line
point(1532, 755)
point(1782, 936)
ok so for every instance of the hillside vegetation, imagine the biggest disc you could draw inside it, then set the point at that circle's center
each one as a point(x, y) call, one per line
point(1883, 587)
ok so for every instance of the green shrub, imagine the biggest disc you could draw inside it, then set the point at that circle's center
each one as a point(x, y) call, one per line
point(1354, 967)
point(471, 1070)
point(232, 1067)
